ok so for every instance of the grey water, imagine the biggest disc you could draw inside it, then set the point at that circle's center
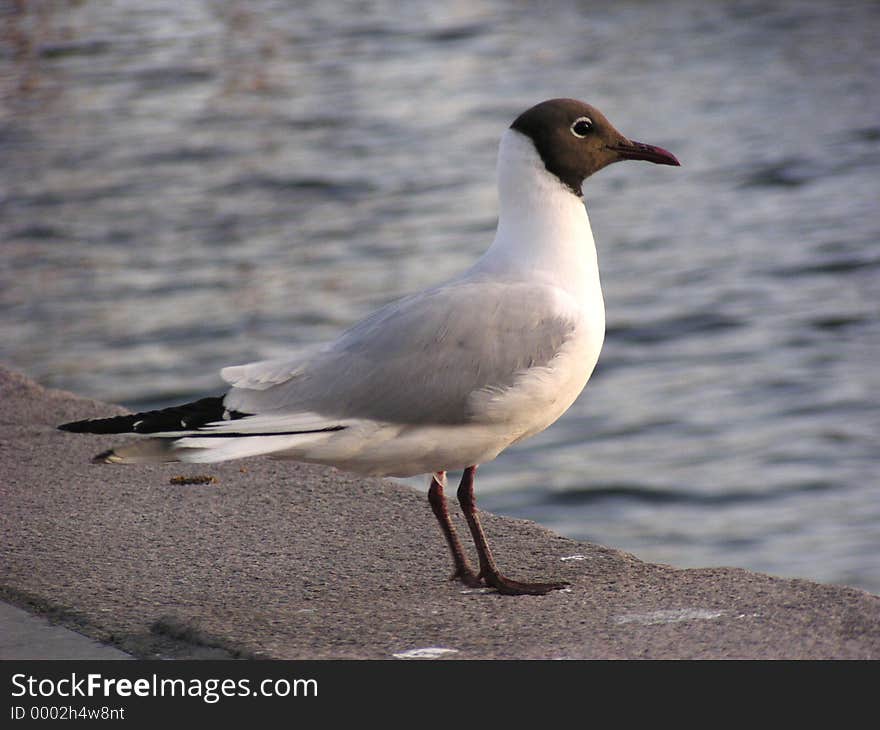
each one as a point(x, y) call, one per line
point(186, 185)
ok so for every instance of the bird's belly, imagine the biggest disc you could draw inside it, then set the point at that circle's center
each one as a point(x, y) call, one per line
point(403, 451)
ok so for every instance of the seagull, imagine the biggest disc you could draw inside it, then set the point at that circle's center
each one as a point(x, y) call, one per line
point(441, 380)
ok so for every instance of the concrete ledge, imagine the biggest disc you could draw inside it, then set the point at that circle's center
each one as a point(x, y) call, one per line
point(288, 561)
point(26, 636)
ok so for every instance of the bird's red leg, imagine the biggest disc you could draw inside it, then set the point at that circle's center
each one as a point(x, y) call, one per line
point(488, 570)
point(463, 570)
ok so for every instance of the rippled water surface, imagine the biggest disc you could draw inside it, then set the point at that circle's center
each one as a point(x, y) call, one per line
point(189, 185)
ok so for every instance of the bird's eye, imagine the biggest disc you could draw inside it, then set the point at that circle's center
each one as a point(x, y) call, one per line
point(581, 127)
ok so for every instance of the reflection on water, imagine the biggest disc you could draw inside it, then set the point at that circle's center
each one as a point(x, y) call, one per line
point(189, 185)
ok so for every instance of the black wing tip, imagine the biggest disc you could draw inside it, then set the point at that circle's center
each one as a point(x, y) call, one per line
point(75, 426)
point(186, 417)
point(118, 424)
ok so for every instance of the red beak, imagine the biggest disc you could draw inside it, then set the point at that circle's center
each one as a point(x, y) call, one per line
point(629, 150)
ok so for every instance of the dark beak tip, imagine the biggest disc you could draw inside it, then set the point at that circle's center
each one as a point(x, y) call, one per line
point(673, 160)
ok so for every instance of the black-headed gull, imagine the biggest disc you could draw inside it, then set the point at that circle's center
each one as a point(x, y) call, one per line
point(447, 378)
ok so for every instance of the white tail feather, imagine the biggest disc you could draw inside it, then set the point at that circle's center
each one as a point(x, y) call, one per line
point(207, 450)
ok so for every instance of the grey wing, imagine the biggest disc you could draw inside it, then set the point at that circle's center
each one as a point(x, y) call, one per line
point(419, 360)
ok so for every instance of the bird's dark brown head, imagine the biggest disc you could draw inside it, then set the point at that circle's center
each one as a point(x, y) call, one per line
point(575, 140)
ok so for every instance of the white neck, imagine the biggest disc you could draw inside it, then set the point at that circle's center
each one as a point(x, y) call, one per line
point(543, 229)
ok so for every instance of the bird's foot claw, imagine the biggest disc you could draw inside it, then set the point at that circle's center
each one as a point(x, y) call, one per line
point(517, 588)
point(468, 577)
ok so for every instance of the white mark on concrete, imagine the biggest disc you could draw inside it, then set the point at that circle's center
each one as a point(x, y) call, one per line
point(668, 616)
point(575, 557)
point(487, 589)
point(428, 652)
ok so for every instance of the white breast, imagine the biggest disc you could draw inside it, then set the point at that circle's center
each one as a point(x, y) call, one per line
point(544, 238)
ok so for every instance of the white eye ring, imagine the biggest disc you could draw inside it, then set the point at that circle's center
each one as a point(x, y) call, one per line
point(585, 124)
